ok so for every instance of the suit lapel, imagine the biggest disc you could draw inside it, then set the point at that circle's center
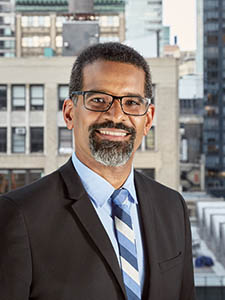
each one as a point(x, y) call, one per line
point(89, 219)
point(144, 195)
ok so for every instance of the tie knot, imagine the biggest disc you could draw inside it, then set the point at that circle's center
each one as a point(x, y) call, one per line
point(120, 197)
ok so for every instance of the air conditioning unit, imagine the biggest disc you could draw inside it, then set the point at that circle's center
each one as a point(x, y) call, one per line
point(20, 130)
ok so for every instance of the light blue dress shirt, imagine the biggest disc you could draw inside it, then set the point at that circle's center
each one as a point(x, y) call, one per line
point(100, 191)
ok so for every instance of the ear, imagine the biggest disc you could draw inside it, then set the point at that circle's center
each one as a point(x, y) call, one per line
point(149, 118)
point(68, 113)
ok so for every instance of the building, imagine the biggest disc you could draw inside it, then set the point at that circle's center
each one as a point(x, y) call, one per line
point(7, 28)
point(171, 51)
point(199, 36)
point(214, 95)
point(144, 29)
point(166, 35)
point(188, 65)
point(39, 24)
point(34, 140)
point(191, 122)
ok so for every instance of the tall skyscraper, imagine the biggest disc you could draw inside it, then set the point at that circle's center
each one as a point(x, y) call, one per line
point(199, 36)
point(143, 22)
point(214, 94)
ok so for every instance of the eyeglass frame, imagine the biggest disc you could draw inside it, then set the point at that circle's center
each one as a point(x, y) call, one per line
point(120, 98)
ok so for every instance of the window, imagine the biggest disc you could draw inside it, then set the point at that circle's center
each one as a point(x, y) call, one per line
point(150, 140)
point(59, 41)
point(4, 178)
point(60, 20)
point(12, 179)
point(3, 139)
point(65, 141)
point(36, 41)
point(3, 97)
point(109, 38)
point(18, 97)
point(109, 21)
point(18, 139)
point(35, 21)
point(36, 139)
point(36, 97)
point(63, 92)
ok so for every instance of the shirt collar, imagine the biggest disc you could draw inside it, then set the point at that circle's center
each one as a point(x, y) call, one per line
point(97, 187)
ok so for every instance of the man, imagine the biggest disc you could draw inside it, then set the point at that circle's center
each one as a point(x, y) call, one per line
point(95, 229)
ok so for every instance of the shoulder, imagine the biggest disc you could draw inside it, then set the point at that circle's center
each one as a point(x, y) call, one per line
point(46, 187)
point(39, 186)
point(150, 184)
point(158, 194)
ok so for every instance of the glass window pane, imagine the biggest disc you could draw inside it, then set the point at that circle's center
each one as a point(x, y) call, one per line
point(18, 139)
point(3, 97)
point(19, 91)
point(37, 91)
point(18, 178)
point(65, 141)
point(37, 97)
point(18, 97)
point(36, 139)
point(3, 139)
point(59, 41)
point(63, 92)
point(150, 139)
point(4, 181)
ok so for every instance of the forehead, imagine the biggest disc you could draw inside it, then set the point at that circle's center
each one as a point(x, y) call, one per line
point(115, 77)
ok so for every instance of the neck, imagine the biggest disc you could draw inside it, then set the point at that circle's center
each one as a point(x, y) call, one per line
point(116, 176)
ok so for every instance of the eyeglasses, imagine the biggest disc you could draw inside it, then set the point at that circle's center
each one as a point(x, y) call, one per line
point(101, 102)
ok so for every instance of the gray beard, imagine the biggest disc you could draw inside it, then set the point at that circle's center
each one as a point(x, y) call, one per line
point(111, 153)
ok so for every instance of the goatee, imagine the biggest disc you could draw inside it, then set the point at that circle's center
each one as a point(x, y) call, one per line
point(111, 153)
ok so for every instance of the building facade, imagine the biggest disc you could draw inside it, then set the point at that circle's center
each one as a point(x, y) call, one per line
point(7, 28)
point(39, 24)
point(34, 140)
point(144, 25)
point(214, 95)
point(191, 122)
point(199, 36)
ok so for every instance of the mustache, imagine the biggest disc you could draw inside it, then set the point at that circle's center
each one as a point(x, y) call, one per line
point(111, 124)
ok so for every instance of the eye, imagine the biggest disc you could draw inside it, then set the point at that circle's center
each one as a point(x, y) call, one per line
point(97, 100)
point(132, 102)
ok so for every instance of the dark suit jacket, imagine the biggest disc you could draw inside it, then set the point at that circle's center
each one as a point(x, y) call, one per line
point(54, 247)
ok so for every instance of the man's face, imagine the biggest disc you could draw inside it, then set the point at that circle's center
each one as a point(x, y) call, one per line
point(111, 137)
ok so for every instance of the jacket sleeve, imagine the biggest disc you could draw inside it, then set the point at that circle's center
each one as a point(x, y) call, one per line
point(15, 257)
point(187, 289)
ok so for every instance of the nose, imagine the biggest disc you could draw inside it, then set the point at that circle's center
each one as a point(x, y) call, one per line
point(115, 112)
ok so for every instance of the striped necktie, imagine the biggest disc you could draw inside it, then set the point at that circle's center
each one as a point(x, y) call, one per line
point(126, 243)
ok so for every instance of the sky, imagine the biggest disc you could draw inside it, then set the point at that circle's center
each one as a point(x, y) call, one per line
point(180, 15)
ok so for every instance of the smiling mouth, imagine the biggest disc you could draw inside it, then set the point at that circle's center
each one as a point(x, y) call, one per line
point(113, 133)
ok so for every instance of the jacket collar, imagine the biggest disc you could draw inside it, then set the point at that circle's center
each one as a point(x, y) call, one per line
point(87, 215)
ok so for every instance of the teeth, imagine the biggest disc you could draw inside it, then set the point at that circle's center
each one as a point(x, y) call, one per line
point(112, 133)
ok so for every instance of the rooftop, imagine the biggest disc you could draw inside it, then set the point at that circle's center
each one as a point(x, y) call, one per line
point(206, 276)
point(62, 5)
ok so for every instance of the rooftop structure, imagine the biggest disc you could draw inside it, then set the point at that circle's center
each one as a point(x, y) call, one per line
point(39, 24)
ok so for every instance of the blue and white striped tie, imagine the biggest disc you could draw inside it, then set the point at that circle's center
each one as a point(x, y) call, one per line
point(126, 243)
